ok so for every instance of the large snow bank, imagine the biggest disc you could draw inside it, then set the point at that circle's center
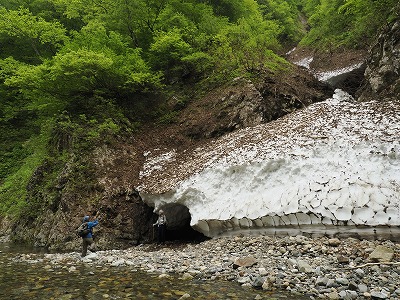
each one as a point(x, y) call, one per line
point(335, 162)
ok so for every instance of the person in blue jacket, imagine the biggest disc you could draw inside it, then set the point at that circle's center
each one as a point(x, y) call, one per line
point(87, 240)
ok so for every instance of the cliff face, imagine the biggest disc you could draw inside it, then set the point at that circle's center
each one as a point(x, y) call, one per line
point(382, 76)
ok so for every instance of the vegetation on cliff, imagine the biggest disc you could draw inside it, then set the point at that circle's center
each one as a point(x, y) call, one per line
point(77, 74)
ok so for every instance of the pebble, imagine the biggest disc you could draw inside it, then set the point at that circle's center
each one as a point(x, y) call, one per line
point(301, 265)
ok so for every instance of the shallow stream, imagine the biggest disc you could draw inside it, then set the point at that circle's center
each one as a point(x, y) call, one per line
point(25, 279)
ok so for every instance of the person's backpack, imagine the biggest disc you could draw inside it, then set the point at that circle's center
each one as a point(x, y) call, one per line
point(82, 230)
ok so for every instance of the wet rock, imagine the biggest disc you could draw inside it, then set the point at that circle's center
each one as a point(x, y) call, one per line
point(381, 76)
point(186, 276)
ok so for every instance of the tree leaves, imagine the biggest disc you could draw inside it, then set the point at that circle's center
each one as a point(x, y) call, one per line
point(35, 31)
point(351, 23)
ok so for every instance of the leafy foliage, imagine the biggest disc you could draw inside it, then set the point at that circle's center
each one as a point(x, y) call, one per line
point(286, 15)
point(32, 32)
point(348, 23)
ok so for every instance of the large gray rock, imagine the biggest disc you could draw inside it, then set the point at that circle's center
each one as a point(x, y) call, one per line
point(382, 75)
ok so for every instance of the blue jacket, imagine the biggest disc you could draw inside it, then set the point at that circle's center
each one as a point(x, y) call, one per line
point(90, 227)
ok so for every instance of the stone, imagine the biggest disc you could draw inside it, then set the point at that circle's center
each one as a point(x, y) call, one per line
point(186, 276)
point(381, 254)
point(321, 281)
point(343, 259)
point(331, 283)
point(304, 267)
point(72, 269)
point(352, 286)
point(257, 282)
point(245, 262)
point(262, 271)
point(342, 281)
point(334, 242)
point(352, 295)
point(360, 273)
point(333, 295)
point(362, 288)
point(379, 295)
point(267, 286)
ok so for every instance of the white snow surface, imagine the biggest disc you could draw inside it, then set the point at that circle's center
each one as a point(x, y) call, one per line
point(305, 62)
point(325, 76)
point(334, 162)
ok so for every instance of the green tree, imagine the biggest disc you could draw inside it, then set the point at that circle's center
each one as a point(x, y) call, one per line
point(22, 28)
point(346, 23)
point(286, 15)
point(233, 9)
point(249, 45)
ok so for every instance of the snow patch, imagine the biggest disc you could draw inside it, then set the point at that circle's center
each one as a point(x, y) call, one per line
point(156, 162)
point(305, 62)
point(335, 162)
point(325, 76)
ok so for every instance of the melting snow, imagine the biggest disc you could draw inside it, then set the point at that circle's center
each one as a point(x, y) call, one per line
point(335, 162)
point(305, 62)
point(156, 161)
point(325, 76)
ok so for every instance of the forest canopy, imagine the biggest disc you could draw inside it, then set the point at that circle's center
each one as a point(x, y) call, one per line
point(75, 71)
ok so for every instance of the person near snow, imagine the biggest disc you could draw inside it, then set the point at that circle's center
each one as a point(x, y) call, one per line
point(161, 225)
point(87, 240)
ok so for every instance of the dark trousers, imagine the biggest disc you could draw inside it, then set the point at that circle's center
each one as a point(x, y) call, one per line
point(86, 242)
point(161, 233)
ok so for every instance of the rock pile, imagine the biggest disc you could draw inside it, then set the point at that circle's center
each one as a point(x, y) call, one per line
point(327, 268)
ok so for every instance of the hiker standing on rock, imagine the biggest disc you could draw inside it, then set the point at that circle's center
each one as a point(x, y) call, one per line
point(161, 224)
point(87, 239)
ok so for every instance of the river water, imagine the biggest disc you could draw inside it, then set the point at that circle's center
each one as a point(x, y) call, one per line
point(34, 279)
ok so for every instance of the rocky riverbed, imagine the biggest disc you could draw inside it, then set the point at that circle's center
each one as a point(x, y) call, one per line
point(323, 267)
